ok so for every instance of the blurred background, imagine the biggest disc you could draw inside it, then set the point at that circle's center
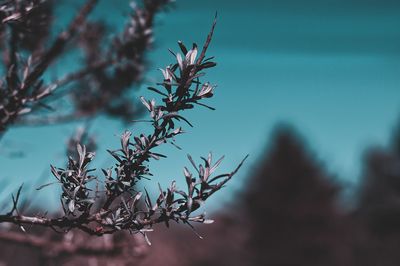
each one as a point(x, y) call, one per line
point(310, 89)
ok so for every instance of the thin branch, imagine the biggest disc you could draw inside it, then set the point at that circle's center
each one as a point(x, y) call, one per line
point(59, 248)
point(58, 46)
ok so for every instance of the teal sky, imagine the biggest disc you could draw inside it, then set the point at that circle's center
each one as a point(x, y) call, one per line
point(330, 68)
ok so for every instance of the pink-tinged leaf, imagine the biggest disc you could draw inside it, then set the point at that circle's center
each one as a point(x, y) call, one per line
point(216, 164)
point(145, 103)
point(179, 60)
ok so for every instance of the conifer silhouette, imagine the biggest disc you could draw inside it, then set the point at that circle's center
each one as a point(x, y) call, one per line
point(291, 205)
point(378, 209)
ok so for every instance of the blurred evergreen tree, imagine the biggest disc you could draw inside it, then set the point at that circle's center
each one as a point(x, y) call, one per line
point(378, 209)
point(291, 205)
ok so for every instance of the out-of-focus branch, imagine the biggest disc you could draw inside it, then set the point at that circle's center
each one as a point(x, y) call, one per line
point(54, 248)
point(101, 87)
point(19, 93)
point(58, 46)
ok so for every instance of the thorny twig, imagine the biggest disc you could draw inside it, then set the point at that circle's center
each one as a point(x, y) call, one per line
point(125, 208)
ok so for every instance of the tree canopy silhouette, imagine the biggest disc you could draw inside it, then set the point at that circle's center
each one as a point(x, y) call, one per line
point(291, 205)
